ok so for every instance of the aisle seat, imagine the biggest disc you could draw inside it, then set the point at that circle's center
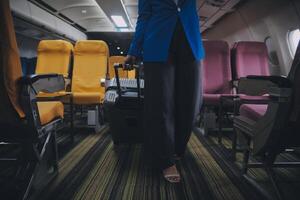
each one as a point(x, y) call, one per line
point(217, 71)
point(90, 66)
point(253, 111)
point(49, 111)
point(54, 56)
point(131, 74)
point(112, 61)
point(250, 58)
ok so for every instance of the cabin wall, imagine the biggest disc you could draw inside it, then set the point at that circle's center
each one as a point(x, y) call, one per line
point(256, 20)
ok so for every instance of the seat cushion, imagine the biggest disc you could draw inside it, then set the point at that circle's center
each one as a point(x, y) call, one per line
point(251, 58)
point(88, 98)
point(211, 99)
point(51, 95)
point(253, 111)
point(50, 110)
point(254, 98)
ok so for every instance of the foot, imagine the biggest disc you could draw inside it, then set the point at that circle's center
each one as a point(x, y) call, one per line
point(171, 174)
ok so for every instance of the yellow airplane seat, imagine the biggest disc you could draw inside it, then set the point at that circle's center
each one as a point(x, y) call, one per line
point(131, 74)
point(90, 66)
point(54, 57)
point(25, 122)
point(112, 61)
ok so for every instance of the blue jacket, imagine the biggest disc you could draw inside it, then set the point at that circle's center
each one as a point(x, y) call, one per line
point(155, 26)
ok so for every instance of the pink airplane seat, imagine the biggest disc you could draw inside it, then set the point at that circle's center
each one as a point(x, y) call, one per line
point(253, 111)
point(217, 74)
point(250, 58)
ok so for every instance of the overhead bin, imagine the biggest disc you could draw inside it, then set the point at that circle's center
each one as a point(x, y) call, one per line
point(36, 15)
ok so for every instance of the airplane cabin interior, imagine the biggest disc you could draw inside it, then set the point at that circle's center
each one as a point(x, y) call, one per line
point(71, 109)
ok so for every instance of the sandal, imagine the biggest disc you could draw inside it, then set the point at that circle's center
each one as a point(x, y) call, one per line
point(171, 174)
point(172, 178)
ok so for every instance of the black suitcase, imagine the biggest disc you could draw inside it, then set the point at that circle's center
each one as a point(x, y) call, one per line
point(123, 106)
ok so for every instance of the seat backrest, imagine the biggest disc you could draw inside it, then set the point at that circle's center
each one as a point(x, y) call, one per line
point(131, 74)
point(90, 66)
point(251, 58)
point(54, 56)
point(216, 68)
point(10, 68)
point(278, 128)
point(294, 77)
point(112, 61)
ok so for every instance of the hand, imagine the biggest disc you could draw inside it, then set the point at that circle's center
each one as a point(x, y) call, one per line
point(130, 60)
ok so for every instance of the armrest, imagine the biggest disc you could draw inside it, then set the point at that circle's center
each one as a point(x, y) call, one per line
point(280, 92)
point(276, 94)
point(30, 79)
point(31, 86)
point(47, 83)
point(281, 81)
point(255, 99)
point(57, 96)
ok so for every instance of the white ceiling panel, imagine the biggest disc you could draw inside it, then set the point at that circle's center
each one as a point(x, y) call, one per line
point(211, 11)
point(207, 10)
point(95, 15)
point(86, 13)
point(83, 12)
point(132, 11)
point(97, 24)
point(62, 4)
point(131, 2)
point(214, 18)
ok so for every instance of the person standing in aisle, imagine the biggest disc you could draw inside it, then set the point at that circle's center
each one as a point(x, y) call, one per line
point(168, 40)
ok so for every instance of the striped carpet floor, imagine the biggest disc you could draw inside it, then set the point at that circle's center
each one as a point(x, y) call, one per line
point(287, 178)
point(94, 169)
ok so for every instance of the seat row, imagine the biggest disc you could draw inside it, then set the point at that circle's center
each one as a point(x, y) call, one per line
point(224, 73)
point(83, 67)
point(83, 71)
point(265, 108)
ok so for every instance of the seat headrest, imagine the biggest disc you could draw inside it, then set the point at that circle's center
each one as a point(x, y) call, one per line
point(252, 47)
point(55, 45)
point(251, 58)
point(119, 59)
point(216, 45)
point(91, 47)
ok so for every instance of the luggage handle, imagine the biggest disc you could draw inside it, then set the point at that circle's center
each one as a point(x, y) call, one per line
point(127, 67)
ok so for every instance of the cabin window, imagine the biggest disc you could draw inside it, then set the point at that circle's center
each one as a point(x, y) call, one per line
point(272, 53)
point(293, 40)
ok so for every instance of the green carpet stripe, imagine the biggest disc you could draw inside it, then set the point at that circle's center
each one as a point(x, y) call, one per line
point(69, 162)
point(95, 169)
point(288, 179)
point(217, 179)
point(132, 176)
point(97, 179)
point(76, 177)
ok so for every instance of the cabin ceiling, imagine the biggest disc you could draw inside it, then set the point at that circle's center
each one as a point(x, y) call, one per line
point(95, 15)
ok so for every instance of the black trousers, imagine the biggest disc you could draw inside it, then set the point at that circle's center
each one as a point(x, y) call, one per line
point(173, 96)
